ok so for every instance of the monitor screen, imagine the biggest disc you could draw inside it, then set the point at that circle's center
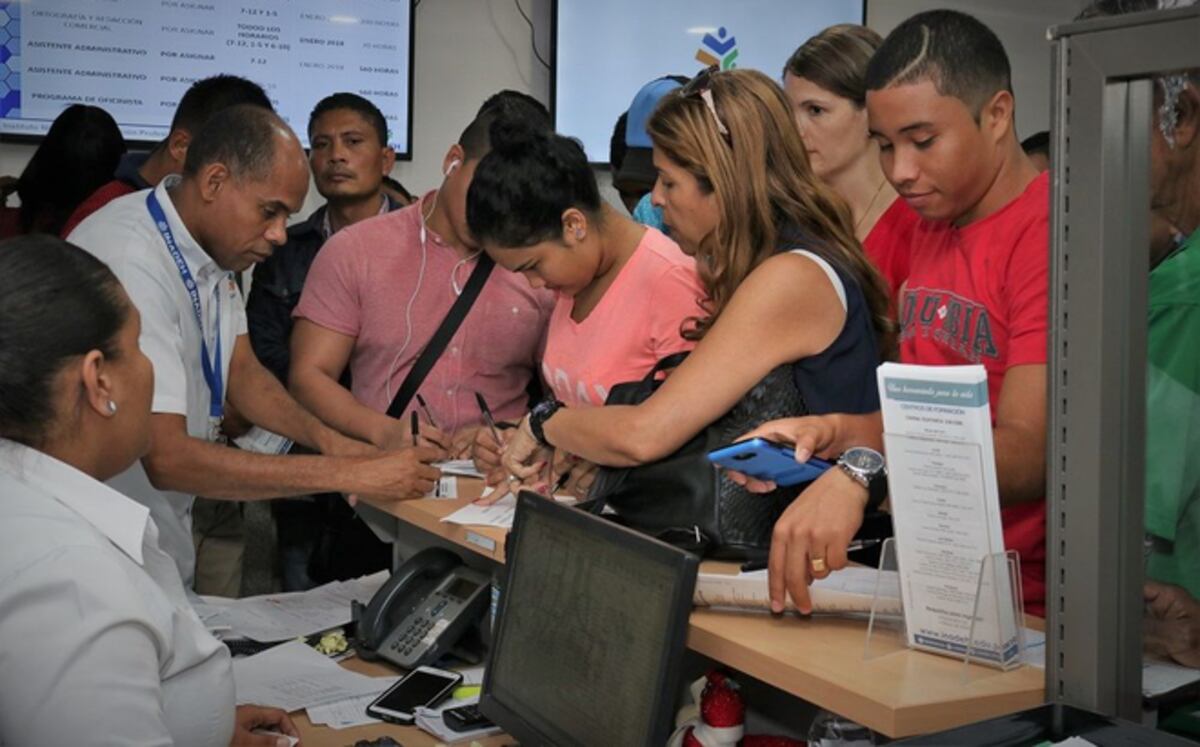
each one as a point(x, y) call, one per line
point(135, 58)
point(606, 51)
point(592, 625)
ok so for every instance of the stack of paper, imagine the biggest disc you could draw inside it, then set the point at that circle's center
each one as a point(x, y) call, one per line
point(294, 676)
point(344, 714)
point(446, 487)
point(1161, 677)
point(278, 617)
point(499, 514)
point(430, 720)
point(848, 591)
point(459, 467)
point(946, 510)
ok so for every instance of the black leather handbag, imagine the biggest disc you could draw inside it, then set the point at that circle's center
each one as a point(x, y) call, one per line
point(683, 499)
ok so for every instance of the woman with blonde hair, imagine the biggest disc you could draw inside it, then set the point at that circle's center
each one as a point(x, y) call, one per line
point(825, 81)
point(795, 316)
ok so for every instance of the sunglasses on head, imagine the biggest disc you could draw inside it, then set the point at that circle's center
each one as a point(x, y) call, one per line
point(701, 86)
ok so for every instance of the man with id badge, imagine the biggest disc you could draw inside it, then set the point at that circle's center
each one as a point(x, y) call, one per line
point(176, 248)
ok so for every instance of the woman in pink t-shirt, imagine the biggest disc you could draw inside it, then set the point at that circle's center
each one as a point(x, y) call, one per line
point(793, 311)
point(626, 294)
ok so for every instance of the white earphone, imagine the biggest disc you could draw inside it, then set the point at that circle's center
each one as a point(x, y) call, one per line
point(423, 234)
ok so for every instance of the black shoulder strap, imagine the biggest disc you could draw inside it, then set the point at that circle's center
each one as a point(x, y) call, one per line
point(441, 338)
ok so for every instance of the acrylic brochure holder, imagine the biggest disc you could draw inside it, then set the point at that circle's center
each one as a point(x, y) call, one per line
point(994, 638)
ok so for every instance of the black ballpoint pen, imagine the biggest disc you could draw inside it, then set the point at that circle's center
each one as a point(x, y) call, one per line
point(425, 409)
point(562, 480)
point(416, 427)
point(487, 417)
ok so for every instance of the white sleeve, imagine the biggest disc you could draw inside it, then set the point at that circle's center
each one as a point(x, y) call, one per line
point(78, 665)
point(161, 339)
point(238, 306)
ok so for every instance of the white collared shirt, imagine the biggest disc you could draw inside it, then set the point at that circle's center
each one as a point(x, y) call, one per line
point(124, 236)
point(98, 642)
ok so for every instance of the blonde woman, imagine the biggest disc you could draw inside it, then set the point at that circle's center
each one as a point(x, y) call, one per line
point(788, 288)
point(825, 81)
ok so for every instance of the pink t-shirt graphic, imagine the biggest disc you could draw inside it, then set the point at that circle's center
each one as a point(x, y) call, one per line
point(638, 321)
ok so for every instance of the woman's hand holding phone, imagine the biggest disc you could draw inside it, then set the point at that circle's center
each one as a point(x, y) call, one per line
point(809, 435)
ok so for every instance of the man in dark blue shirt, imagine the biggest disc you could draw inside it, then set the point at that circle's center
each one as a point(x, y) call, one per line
point(349, 156)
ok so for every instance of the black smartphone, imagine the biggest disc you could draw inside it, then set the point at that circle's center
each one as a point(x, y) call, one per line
point(423, 686)
point(465, 718)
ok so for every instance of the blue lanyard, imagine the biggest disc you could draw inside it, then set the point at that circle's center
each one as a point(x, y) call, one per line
point(211, 367)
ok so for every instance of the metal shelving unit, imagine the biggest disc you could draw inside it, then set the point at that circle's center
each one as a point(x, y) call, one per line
point(1099, 275)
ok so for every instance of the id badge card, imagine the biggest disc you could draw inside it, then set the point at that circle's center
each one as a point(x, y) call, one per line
point(214, 430)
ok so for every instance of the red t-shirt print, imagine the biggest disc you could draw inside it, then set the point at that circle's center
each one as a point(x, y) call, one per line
point(889, 245)
point(979, 294)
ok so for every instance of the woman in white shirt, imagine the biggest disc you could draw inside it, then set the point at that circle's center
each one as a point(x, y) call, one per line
point(98, 644)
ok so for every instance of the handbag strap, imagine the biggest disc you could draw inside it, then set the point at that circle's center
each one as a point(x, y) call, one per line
point(665, 363)
point(441, 338)
point(595, 504)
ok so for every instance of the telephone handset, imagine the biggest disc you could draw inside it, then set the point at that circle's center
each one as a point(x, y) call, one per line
point(424, 608)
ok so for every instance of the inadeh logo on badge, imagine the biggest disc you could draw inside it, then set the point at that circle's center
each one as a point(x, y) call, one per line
point(720, 50)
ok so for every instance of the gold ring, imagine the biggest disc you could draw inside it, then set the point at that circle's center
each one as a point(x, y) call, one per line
point(818, 565)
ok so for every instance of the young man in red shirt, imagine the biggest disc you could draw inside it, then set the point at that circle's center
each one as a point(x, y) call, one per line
point(940, 105)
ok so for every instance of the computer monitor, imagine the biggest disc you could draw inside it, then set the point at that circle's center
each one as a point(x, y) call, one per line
point(136, 58)
point(605, 51)
point(590, 632)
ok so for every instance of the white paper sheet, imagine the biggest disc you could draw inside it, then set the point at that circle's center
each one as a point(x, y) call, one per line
point(263, 441)
point(447, 487)
point(1035, 648)
point(499, 514)
point(565, 498)
point(850, 590)
point(471, 676)
point(278, 617)
point(353, 712)
point(1161, 677)
point(344, 714)
point(293, 676)
point(430, 720)
point(459, 467)
point(946, 509)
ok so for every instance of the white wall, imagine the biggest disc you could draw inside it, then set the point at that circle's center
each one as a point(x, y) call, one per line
point(464, 51)
point(1021, 26)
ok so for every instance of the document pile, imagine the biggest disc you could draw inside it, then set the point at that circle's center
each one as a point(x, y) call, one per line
point(848, 591)
point(499, 514)
point(279, 617)
point(430, 721)
point(294, 676)
point(958, 596)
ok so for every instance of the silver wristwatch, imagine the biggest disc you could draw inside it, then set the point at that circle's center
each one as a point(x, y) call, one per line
point(863, 465)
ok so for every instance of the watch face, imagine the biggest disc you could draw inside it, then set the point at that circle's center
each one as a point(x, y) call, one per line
point(864, 460)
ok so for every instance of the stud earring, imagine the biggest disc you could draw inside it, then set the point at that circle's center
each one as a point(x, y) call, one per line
point(112, 407)
point(579, 234)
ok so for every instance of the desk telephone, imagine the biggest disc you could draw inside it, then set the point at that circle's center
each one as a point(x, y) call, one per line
point(423, 609)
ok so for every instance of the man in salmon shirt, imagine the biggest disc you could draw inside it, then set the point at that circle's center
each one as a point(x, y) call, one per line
point(940, 105)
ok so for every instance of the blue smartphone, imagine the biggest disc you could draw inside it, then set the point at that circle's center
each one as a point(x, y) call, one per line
point(767, 460)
